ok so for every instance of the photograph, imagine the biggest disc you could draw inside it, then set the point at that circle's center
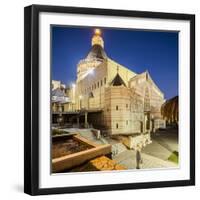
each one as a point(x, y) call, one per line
point(114, 99)
point(109, 99)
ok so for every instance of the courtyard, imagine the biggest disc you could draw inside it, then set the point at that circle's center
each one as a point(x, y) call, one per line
point(162, 152)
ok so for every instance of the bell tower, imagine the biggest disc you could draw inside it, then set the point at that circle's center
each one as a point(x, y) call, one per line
point(97, 39)
point(95, 56)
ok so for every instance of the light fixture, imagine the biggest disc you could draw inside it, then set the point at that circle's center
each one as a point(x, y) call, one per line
point(91, 71)
point(97, 31)
point(73, 85)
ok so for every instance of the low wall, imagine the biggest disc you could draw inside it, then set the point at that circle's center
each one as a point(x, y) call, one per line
point(135, 142)
point(69, 161)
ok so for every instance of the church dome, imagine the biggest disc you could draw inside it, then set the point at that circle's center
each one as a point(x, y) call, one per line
point(96, 52)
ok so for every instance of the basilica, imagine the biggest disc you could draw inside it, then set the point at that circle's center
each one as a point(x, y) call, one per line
point(112, 97)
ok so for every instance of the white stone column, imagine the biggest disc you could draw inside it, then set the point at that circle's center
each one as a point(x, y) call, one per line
point(86, 119)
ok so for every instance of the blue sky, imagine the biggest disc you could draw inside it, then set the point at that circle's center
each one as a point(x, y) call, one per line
point(156, 52)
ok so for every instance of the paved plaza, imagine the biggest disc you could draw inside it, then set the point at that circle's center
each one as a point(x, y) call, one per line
point(128, 159)
point(164, 143)
point(154, 155)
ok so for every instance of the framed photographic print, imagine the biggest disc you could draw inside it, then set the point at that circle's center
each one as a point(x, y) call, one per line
point(109, 100)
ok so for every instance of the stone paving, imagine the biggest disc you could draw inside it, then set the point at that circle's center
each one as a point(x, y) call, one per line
point(128, 159)
point(168, 139)
point(117, 149)
point(163, 144)
point(154, 155)
point(153, 162)
point(157, 150)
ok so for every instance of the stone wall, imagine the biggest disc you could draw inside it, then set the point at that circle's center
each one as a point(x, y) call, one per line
point(117, 110)
point(93, 84)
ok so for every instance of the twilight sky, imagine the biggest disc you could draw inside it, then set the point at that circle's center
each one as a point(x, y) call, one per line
point(156, 52)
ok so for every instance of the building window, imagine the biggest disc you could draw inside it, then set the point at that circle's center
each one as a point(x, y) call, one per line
point(92, 87)
point(105, 80)
point(117, 125)
point(95, 86)
point(126, 122)
point(101, 82)
point(98, 84)
point(126, 105)
point(116, 107)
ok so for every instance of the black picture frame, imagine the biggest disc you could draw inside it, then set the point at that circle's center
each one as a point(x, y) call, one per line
point(31, 98)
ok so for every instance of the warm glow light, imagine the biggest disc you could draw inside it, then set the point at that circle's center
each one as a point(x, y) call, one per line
point(91, 71)
point(97, 31)
point(88, 72)
point(80, 97)
point(73, 85)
